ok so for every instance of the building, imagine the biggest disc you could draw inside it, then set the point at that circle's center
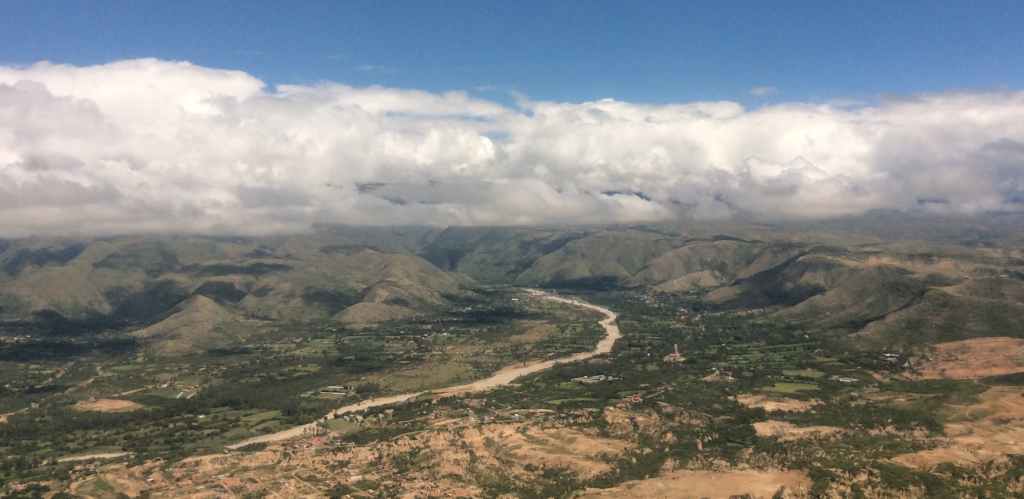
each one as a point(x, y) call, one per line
point(586, 380)
point(719, 376)
point(674, 356)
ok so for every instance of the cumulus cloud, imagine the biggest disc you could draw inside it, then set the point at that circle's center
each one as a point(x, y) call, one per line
point(149, 145)
point(763, 91)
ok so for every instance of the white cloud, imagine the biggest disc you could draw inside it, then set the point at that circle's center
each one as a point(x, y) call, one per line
point(763, 91)
point(149, 145)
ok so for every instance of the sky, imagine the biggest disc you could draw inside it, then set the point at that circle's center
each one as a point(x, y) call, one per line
point(262, 117)
point(645, 52)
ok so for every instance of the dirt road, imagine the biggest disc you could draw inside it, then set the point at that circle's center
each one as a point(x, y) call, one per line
point(91, 457)
point(501, 378)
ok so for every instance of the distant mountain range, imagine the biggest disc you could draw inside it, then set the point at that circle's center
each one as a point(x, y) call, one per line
point(884, 278)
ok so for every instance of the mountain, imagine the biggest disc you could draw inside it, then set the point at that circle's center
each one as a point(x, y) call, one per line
point(883, 276)
point(195, 324)
point(136, 281)
point(955, 313)
point(496, 254)
point(880, 276)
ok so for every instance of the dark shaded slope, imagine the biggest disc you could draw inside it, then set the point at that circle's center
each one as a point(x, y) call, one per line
point(786, 284)
point(220, 291)
point(147, 305)
point(41, 257)
point(866, 296)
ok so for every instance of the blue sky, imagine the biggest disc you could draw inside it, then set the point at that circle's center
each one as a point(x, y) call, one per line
point(652, 52)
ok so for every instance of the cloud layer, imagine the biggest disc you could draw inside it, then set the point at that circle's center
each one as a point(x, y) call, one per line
point(149, 145)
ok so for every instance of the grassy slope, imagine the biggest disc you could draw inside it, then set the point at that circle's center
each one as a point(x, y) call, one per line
point(845, 274)
point(609, 253)
point(137, 281)
point(196, 324)
point(941, 317)
point(836, 279)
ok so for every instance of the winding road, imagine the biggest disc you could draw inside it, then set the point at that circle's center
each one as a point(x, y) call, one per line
point(500, 378)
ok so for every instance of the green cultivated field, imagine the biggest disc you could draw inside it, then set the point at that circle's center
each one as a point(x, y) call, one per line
point(790, 387)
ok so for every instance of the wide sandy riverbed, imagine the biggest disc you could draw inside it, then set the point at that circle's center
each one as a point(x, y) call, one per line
point(500, 378)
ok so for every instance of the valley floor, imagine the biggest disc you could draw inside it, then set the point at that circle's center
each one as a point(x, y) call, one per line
point(674, 402)
point(501, 378)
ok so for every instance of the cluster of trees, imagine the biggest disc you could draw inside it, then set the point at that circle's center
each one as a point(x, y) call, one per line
point(65, 348)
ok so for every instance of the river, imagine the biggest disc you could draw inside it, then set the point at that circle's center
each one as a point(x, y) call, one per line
point(501, 378)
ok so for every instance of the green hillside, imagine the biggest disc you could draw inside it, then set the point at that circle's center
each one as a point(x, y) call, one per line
point(617, 254)
point(495, 254)
point(843, 275)
point(862, 295)
point(195, 324)
point(942, 317)
point(142, 282)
